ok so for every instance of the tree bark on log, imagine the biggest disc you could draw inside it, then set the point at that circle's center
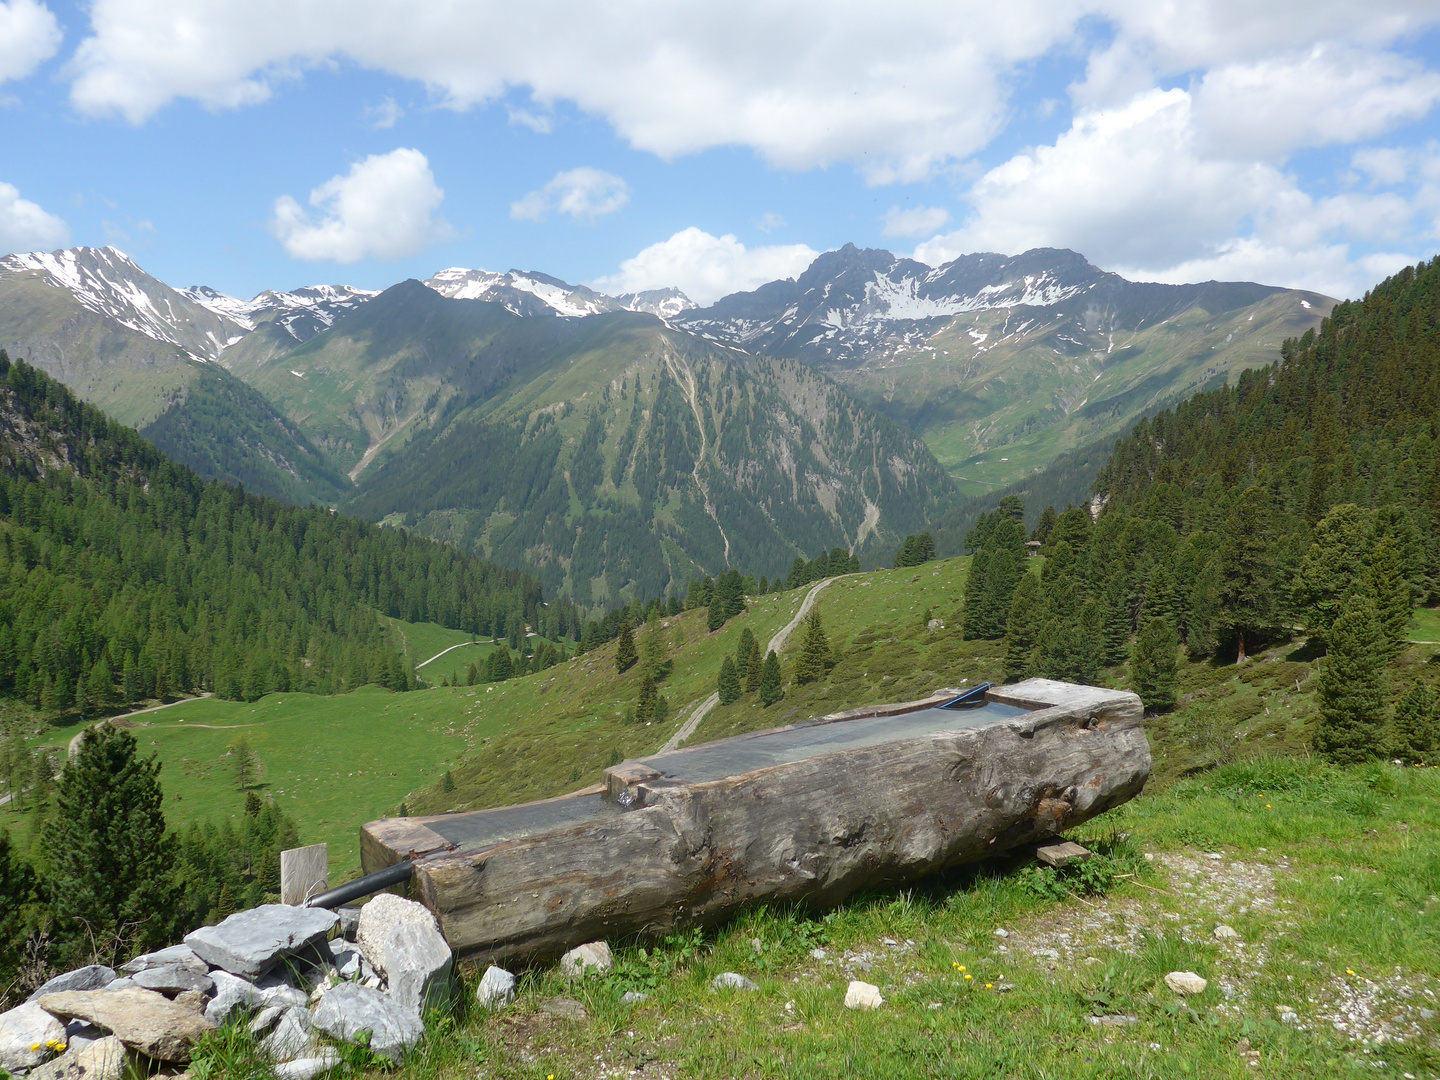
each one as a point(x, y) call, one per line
point(813, 830)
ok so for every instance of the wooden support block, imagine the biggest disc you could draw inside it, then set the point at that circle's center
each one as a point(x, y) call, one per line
point(304, 872)
point(1062, 854)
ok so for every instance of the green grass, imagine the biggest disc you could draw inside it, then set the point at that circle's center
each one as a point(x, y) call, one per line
point(1425, 625)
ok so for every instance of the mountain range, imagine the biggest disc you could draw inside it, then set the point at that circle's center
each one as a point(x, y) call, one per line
point(619, 443)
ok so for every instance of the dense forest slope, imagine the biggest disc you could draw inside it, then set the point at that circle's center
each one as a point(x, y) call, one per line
point(627, 457)
point(123, 575)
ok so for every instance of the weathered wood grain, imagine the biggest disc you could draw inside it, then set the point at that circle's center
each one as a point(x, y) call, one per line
point(813, 830)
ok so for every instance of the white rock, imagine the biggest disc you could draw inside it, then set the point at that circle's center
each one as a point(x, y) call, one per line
point(863, 995)
point(175, 954)
point(379, 916)
point(1226, 933)
point(265, 1019)
point(100, 1059)
point(593, 955)
point(293, 1037)
point(93, 977)
point(818, 954)
point(633, 997)
point(1185, 982)
point(730, 980)
point(496, 989)
point(419, 964)
point(1002, 933)
point(249, 943)
point(350, 1009)
point(307, 1068)
point(25, 1027)
point(1287, 1014)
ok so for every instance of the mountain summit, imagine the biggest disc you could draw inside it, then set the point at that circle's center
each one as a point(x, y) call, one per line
point(531, 292)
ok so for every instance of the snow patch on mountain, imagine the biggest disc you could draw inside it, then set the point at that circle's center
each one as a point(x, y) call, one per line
point(302, 313)
point(568, 301)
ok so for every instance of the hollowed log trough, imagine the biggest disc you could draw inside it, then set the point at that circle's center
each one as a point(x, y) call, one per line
point(810, 812)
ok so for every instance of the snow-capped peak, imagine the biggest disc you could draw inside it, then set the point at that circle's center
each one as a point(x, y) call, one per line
point(303, 312)
point(569, 301)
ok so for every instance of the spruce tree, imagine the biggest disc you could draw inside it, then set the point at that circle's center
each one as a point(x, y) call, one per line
point(225, 906)
point(1328, 573)
point(17, 888)
point(1115, 612)
point(1415, 729)
point(625, 655)
point(1247, 596)
point(447, 782)
point(645, 703)
point(742, 653)
point(110, 874)
point(770, 688)
point(753, 668)
point(1022, 629)
point(1153, 666)
point(1352, 688)
point(1390, 590)
point(729, 682)
point(814, 657)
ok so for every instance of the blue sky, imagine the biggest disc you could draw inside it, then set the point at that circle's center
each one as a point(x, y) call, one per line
point(270, 145)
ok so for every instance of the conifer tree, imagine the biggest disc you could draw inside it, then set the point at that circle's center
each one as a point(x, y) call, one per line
point(1247, 596)
point(645, 703)
point(1045, 525)
point(1115, 612)
point(225, 907)
point(447, 782)
point(729, 682)
point(625, 655)
point(814, 657)
point(1352, 688)
point(770, 688)
point(252, 804)
point(1415, 729)
point(1329, 571)
point(1153, 666)
point(754, 668)
point(246, 764)
point(110, 858)
point(742, 653)
point(1163, 598)
point(1391, 593)
point(1022, 629)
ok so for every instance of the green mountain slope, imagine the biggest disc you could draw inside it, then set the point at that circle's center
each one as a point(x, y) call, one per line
point(627, 456)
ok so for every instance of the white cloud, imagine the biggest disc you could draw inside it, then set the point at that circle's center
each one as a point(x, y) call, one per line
point(770, 221)
point(582, 193)
point(538, 122)
point(915, 220)
point(29, 35)
point(385, 115)
point(383, 208)
point(24, 226)
point(706, 267)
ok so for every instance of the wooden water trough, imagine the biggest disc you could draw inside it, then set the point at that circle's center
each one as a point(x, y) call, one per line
point(810, 812)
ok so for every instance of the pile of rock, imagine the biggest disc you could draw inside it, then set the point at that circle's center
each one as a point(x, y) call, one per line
point(294, 975)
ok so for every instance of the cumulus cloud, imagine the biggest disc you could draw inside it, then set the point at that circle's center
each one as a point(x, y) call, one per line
point(706, 267)
point(383, 208)
point(29, 35)
point(581, 193)
point(915, 220)
point(24, 226)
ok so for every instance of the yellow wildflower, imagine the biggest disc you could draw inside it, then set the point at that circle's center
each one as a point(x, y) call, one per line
point(1349, 971)
point(989, 986)
point(969, 977)
point(962, 967)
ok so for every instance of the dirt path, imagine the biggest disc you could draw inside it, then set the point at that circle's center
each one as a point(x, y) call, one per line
point(442, 652)
point(697, 716)
point(779, 640)
point(74, 747)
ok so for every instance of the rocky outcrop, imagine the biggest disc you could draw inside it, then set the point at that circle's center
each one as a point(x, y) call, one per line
point(142, 1019)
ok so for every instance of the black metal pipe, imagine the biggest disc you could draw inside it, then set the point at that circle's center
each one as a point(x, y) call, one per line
point(973, 698)
point(364, 886)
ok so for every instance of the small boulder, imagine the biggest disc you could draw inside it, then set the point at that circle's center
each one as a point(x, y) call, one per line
point(863, 995)
point(1185, 983)
point(93, 977)
point(349, 1009)
point(292, 1037)
point(249, 943)
point(419, 964)
point(593, 956)
point(730, 980)
point(28, 1037)
point(565, 1008)
point(264, 1020)
point(142, 1019)
point(349, 922)
point(496, 989)
point(633, 997)
point(172, 979)
point(232, 995)
point(307, 1068)
point(1226, 933)
point(379, 916)
point(103, 1059)
point(935, 624)
point(175, 954)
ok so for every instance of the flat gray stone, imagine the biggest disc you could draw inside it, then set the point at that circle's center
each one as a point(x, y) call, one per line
point(419, 965)
point(175, 954)
point(349, 1009)
point(264, 1020)
point(349, 922)
point(94, 977)
point(1185, 983)
point(565, 1008)
point(250, 943)
point(350, 962)
point(144, 1020)
point(292, 1037)
point(122, 983)
point(173, 979)
point(307, 1068)
point(496, 989)
point(379, 916)
point(233, 995)
point(730, 980)
point(592, 956)
point(23, 1028)
point(102, 1059)
point(633, 997)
